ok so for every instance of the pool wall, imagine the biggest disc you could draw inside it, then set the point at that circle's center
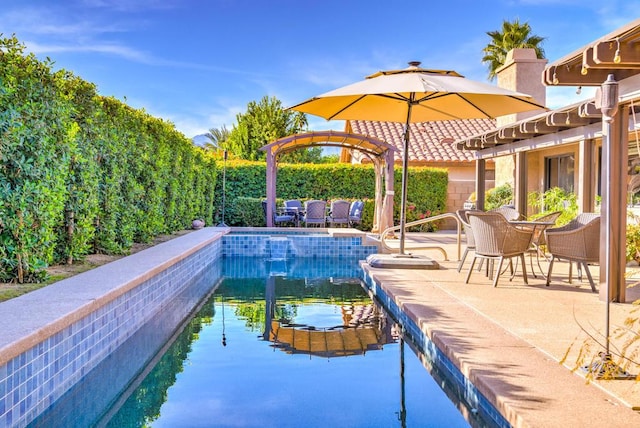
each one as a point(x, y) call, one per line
point(52, 337)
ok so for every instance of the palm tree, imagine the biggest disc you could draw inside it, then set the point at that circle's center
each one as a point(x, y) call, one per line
point(218, 137)
point(513, 35)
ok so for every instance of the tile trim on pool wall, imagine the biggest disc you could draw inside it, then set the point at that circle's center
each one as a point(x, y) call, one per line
point(108, 310)
point(296, 245)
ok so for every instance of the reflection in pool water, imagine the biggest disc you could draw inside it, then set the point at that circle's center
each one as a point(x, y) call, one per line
point(285, 350)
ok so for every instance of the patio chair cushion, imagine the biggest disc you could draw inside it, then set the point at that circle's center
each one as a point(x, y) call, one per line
point(355, 212)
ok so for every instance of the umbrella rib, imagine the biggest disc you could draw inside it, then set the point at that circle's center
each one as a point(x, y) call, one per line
point(473, 105)
point(456, 94)
point(395, 96)
point(345, 107)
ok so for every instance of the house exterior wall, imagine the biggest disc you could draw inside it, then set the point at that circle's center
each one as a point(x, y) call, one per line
point(462, 183)
point(505, 169)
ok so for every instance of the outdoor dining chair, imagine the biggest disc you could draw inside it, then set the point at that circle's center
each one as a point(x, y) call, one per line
point(507, 212)
point(294, 207)
point(314, 213)
point(339, 213)
point(539, 241)
point(468, 233)
point(497, 239)
point(278, 219)
point(578, 241)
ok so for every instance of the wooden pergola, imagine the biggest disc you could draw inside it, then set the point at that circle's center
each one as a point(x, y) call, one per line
point(380, 153)
point(613, 59)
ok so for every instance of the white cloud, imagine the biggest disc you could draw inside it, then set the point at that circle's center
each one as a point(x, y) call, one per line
point(104, 48)
point(131, 6)
point(53, 21)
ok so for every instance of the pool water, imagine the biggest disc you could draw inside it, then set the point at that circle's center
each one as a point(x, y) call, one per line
point(282, 350)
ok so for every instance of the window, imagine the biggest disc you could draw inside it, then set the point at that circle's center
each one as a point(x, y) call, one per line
point(559, 172)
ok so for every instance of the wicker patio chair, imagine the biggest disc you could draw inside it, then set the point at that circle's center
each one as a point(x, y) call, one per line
point(508, 212)
point(468, 233)
point(497, 239)
point(339, 213)
point(578, 241)
point(314, 213)
point(539, 241)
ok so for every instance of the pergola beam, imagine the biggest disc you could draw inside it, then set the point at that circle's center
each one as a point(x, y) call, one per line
point(604, 54)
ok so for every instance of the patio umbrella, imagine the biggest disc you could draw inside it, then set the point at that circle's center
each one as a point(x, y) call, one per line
point(415, 95)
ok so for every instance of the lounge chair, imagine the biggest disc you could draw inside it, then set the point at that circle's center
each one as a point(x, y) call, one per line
point(314, 213)
point(497, 239)
point(339, 213)
point(578, 241)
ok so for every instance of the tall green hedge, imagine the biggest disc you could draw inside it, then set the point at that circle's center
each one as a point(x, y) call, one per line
point(246, 187)
point(82, 173)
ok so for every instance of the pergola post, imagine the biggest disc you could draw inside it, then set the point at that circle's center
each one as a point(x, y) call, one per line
point(520, 185)
point(271, 187)
point(615, 122)
point(389, 193)
point(480, 183)
point(377, 214)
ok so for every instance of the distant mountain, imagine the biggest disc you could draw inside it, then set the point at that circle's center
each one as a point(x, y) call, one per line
point(201, 140)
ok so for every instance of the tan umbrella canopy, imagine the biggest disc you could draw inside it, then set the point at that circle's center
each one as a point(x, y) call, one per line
point(416, 95)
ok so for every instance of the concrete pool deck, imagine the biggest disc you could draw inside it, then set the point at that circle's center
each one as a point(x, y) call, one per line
point(510, 340)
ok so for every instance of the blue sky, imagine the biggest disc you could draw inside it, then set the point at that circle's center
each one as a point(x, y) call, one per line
point(198, 63)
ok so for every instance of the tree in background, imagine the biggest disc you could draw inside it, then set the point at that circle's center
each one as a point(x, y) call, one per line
point(218, 138)
point(265, 121)
point(512, 35)
point(310, 155)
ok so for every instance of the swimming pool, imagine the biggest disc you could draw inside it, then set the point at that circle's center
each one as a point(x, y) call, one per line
point(302, 346)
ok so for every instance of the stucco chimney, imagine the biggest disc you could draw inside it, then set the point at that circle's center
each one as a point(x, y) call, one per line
point(522, 72)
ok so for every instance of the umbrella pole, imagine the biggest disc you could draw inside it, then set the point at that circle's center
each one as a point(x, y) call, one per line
point(405, 172)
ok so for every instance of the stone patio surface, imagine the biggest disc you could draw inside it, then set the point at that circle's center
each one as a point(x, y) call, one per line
point(521, 344)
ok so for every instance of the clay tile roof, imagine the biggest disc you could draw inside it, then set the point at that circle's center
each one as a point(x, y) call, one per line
point(430, 141)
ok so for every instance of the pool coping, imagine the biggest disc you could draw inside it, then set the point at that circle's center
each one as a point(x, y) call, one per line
point(65, 302)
